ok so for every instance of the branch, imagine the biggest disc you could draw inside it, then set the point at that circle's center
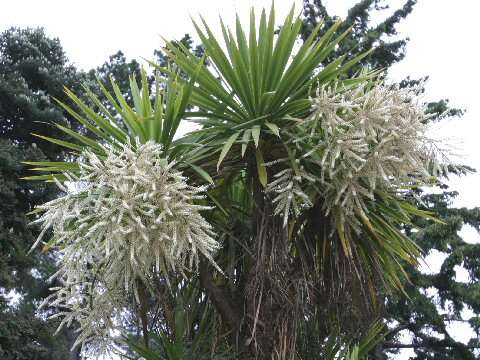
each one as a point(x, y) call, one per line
point(391, 345)
point(220, 299)
point(399, 328)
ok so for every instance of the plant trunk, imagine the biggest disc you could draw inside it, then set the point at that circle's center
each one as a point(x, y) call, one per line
point(259, 315)
point(269, 300)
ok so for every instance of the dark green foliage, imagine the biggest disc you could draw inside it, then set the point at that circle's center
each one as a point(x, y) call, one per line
point(162, 59)
point(191, 332)
point(431, 310)
point(23, 335)
point(17, 198)
point(33, 69)
point(118, 68)
point(437, 300)
point(364, 36)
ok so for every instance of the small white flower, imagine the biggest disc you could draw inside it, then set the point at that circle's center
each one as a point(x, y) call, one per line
point(289, 197)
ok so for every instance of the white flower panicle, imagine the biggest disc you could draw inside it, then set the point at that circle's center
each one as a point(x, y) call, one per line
point(357, 140)
point(96, 311)
point(289, 197)
point(131, 218)
point(371, 137)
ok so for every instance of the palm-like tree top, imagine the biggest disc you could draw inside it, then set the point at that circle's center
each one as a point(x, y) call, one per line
point(327, 159)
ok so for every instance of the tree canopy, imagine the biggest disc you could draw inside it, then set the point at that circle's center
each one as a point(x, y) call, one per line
point(276, 284)
point(436, 300)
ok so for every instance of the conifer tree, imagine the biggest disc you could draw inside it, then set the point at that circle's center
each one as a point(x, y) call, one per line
point(436, 300)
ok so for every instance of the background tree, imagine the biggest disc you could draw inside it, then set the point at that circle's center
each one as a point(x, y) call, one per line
point(24, 334)
point(33, 70)
point(162, 59)
point(117, 67)
point(364, 36)
point(436, 300)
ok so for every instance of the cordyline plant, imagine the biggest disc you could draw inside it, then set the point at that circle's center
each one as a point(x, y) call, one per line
point(279, 217)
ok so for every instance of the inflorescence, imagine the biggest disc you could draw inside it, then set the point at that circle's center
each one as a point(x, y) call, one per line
point(127, 218)
point(357, 141)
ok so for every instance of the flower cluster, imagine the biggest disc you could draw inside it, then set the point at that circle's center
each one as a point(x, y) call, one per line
point(126, 218)
point(358, 140)
point(289, 196)
point(371, 137)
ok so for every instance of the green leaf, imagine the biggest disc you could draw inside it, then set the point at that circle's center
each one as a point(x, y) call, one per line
point(245, 140)
point(256, 134)
point(65, 144)
point(57, 164)
point(273, 128)
point(82, 138)
point(97, 130)
point(202, 173)
point(97, 119)
point(137, 99)
point(226, 148)
point(48, 178)
point(261, 169)
point(128, 115)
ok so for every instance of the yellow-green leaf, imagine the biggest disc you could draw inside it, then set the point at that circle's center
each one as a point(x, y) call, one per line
point(202, 173)
point(256, 134)
point(262, 171)
point(245, 139)
point(273, 127)
point(227, 147)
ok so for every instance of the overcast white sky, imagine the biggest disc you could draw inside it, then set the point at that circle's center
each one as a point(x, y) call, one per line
point(444, 45)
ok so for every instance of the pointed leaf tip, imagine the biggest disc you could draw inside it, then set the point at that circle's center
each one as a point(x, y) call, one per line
point(226, 148)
